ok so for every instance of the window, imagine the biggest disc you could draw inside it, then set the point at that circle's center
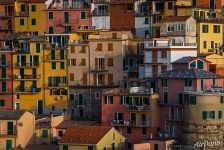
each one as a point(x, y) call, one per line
point(81, 99)
point(146, 33)
point(170, 5)
point(213, 82)
point(50, 30)
point(144, 131)
point(97, 95)
point(108, 99)
point(204, 115)
point(50, 15)
point(17, 106)
point(128, 129)
point(212, 114)
point(129, 145)
point(90, 147)
point(204, 44)
point(146, 20)
point(73, 62)
point(170, 28)
point(110, 46)
point(72, 97)
point(164, 54)
point(220, 114)
point(188, 82)
point(164, 82)
point(33, 8)
point(165, 97)
point(99, 46)
point(212, 44)
point(181, 98)
point(200, 64)
point(65, 147)
point(156, 147)
point(110, 61)
point(83, 62)
point(204, 28)
point(4, 86)
point(21, 22)
point(33, 21)
point(62, 65)
point(53, 65)
point(83, 15)
point(192, 100)
point(2, 102)
point(37, 47)
point(222, 99)
point(60, 133)
point(216, 28)
point(44, 133)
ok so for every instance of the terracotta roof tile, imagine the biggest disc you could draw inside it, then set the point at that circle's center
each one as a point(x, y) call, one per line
point(85, 134)
point(175, 18)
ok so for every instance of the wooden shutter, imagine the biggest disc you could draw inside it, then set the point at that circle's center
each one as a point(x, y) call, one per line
point(84, 78)
point(83, 49)
point(110, 61)
point(72, 49)
point(99, 46)
point(71, 76)
point(110, 78)
point(114, 35)
point(94, 78)
point(96, 63)
point(110, 46)
point(103, 62)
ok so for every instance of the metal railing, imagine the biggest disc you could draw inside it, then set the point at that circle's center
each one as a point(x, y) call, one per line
point(138, 108)
point(137, 123)
point(56, 57)
point(20, 89)
point(23, 64)
point(57, 84)
point(34, 76)
point(8, 132)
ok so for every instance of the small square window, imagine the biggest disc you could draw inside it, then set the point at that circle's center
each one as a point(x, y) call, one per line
point(83, 15)
point(53, 65)
point(33, 8)
point(65, 147)
point(21, 22)
point(146, 20)
point(33, 22)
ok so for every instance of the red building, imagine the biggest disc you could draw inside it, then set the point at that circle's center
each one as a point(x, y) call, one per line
point(122, 15)
point(67, 16)
point(133, 112)
point(6, 88)
point(212, 4)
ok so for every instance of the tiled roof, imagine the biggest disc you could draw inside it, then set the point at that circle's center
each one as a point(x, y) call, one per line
point(68, 123)
point(85, 134)
point(7, 2)
point(175, 18)
point(190, 74)
point(185, 60)
point(11, 114)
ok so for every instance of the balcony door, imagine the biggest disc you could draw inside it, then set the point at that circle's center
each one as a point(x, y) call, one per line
point(8, 144)
point(10, 128)
point(40, 107)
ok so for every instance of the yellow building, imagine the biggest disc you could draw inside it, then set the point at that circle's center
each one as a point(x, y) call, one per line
point(13, 131)
point(92, 138)
point(30, 17)
point(209, 36)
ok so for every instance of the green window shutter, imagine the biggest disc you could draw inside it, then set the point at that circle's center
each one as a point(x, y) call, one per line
point(4, 86)
point(204, 115)
point(33, 8)
point(83, 15)
point(3, 72)
point(222, 99)
point(52, 54)
point(37, 47)
point(3, 59)
point(51, 30)
point(53, 65)
point(220, 114)
point(212, 114)
point(50, 15)
point(146, 20)
point(193, 100)
point(62, 65)
point(21, 22)
point(2, 102)
point(44, 133)
point(200, 64)
point(33, 22)
point(193, 65)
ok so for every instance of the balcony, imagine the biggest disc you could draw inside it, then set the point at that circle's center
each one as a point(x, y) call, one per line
point(120, 123)
point(100, 13)
point(6, 15)
point(6, 49)
point(138, 123)
point(5, 91)
point(122, 1)
point(101, 1)
point(25, 90)
point(5, 64)
point(27, 65)
point(138, 108)
point(6, 28)
point(169, 45)
point(56, 57)
point(143, 14)
point(53, 85)
point(53, 46)
point(27, 77)
point(99, 69)
point(8, 133)
point(21, 14)
point(174, 119)
point(68, 22)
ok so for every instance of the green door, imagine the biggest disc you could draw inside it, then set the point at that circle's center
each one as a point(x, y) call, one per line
point(8, 144)
point(202, 84)
point(10, 128)
point(40, 107)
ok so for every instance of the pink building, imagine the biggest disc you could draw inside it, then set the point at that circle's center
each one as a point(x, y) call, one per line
point(6, 99)
point(67, 16)
point(181, 86)
point(133, 112)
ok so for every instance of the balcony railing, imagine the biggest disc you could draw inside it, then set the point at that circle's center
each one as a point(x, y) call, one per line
point(139, 123)
point(6, 28)
point(5, 91)
point(54, 46)
point(6, 49)
point(21, 14)
point(99, 69)
point(138, 108)
point(20, 89)
point(7, 77)
point(56, 57)
point(34, 76)
point(6, 14)
point(8, 132)
point(100, 13)
point(101, 1)
point(57, 85)
point(34, 64)
point(5, 64)
point(169, 44)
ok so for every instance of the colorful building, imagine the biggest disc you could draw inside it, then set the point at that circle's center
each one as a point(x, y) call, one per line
point(95, 64)
point(180, 89)
point(152, 144)
point(216, 63)
point(92, 137)
point(67, 16)
point(134, 112)
point(30, 17)
point(17, 129)
point(6, 77)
